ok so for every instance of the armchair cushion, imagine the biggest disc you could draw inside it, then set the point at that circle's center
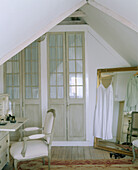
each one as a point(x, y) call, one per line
point(35, 149)
point(36, 136)
point(31, 129)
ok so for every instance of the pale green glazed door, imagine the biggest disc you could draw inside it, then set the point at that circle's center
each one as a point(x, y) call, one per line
point(66, 84)
point(22, 74)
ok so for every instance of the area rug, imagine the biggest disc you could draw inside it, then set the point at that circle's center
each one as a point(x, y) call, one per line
point(100, 164)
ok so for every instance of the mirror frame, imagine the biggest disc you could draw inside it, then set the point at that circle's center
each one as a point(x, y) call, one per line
point(109, 70)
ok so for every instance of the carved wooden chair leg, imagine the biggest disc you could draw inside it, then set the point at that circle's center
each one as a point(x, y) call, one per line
point(15, 164)
point(133, 150)
point(43, 161)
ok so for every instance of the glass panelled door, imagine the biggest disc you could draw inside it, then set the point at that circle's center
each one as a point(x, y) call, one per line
point(22, 83)
point(66, 87)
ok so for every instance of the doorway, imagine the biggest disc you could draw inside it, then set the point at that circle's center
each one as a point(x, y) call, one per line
point(66, 84)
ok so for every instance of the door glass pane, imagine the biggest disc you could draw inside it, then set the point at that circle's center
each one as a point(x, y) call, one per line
point(28, 92)
point(59, 66)
point(52, 66)
point(9, 80)
point(71, 40)
point(60, 53)
point(35, 92)
point(28, 53)
point(78, 52)
point(79, 92)
point(28, 80)
point(71, 53)
point(59, 79)
point(72, 66)
point(52, 53)
point(9, 67)
point(52, 92)
point(79, 66)
point(78, 39)
point(72, 92)
point(52, 40)
point(34, 53)
point(71, 79)
point(79, 79)
point(15, 67)
point(34, 67)
point(35, 80)
point(28, 67)
point(16, 80)
point(16, 92)
point(35, 44)
point(9, 91)
point(60, 92)
point(59, 40)
point(52, 79)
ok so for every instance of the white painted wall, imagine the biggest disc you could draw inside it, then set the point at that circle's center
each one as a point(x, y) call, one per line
point(22, 22)
point(125, 8)
point(98, 54)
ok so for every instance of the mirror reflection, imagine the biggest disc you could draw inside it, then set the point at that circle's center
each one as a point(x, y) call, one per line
point(117, 110)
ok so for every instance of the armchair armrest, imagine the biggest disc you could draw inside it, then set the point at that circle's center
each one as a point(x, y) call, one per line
point(36, 136)
point(31, 129)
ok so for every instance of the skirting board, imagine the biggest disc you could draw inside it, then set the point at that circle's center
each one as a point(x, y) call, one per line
point(72, 143)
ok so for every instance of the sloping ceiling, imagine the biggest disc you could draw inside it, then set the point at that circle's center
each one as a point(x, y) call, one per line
point(121, 37)
point(22, 22)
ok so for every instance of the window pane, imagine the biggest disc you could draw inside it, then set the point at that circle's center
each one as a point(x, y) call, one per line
point(35, 92)
point(71, 53)
point(16, 80)
point(79, 92)
point(78, 53)
point(72, 92)
point(59, 40)
point(60, 53)
point(52, 53)
point(15, 67)
point(60, 92)
point(78, 39)
point(52, 92)
point(34, 53)
point(59, 66)
point(71, 79)
point(9, 80)
point(79, 79)
point(28, 67)
point(52, 79)
point(16, 92)
point(9, 91)
point(52, 40)
point(28, 53)
point(71, 40)
point(35, 80)
point(52, 66)
point(28, 80)
point(34, 67)
point(71, 66)
point(28, 92)
point(59, 79)
point(35, 44)
point(79, 66)
point(9, 67)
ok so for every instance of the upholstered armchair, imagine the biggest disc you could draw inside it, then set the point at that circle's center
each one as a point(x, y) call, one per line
point(37, 145)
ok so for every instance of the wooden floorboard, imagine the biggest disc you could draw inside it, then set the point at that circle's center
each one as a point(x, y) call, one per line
point(78, 153)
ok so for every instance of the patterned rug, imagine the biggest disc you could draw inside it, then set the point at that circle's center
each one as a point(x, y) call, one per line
point(100, 164)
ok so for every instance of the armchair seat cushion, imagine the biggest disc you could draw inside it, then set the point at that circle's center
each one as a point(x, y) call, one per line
point(135, 142)
point(35, 149)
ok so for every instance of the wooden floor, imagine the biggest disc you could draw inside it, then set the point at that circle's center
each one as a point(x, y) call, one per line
point(78, 153)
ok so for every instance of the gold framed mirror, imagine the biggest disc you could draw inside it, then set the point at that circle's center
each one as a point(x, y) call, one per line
point(120, 126)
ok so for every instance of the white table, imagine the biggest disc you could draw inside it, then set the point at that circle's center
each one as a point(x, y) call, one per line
point(12, 127)
point(5, 141)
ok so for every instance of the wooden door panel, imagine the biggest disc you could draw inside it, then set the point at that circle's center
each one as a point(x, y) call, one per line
point(60, 123)
point(76, 121)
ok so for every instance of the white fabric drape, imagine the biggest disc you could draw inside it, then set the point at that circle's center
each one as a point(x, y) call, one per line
point(104, 112)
